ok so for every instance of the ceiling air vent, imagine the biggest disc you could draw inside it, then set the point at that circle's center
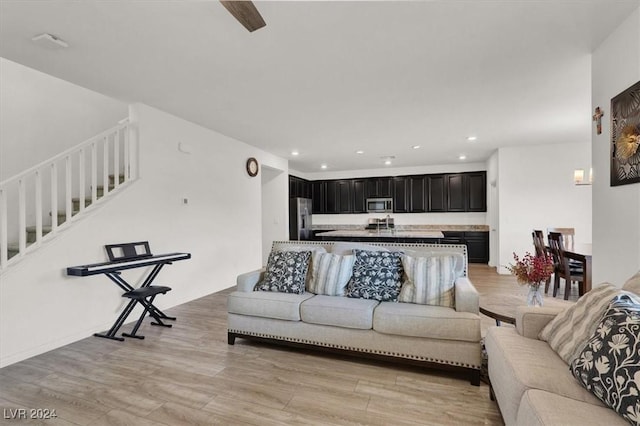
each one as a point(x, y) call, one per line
point(50, 41)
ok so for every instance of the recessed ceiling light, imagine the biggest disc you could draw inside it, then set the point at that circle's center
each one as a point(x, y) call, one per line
point(462, 157)
point(359, 151)
point(472, 138)
point(323, 166)
point(416, 147)
point(387, 159)
point(294, 153)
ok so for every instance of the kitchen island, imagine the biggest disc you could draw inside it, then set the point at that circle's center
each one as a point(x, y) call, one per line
point(475, 237)
point(385, 234)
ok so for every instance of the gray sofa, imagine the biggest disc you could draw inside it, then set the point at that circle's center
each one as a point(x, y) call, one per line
point(434, 336)
point(532, 384)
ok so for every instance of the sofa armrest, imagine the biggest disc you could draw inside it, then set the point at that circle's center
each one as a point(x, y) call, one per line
point(530, 320)
point(467, 298)
point(247, 281)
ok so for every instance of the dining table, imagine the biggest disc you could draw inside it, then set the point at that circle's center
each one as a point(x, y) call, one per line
point(582, 253)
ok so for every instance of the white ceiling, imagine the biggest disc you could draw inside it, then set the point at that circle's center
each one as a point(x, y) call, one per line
point(329, 78)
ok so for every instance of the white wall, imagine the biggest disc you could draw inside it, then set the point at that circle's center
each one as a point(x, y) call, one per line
point(493, 209)
point(275, 218)
point(41, 308)
point(399, 218)
point(536, 191)
point(41, 115)
point(616, 210)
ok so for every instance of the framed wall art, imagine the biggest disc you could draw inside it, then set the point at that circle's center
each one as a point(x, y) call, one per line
point(625, 137)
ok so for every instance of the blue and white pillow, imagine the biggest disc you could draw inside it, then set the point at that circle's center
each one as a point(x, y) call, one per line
point(376, 275)
point(286, 272)
point(609, 364)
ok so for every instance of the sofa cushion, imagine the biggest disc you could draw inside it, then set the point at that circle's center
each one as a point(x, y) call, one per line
point(609, 365)
point(286, 272)
point(517, 363)
point(338, 311)
point(430, 280)
point(330, 273)
point(568, 332)
point(633, 284)
point(376, 275)
point(285, 306)
point(460, 264)
point(539, 407)
point(435, 322)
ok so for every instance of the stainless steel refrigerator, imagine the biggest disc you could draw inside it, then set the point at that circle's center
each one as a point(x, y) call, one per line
point(300, 219)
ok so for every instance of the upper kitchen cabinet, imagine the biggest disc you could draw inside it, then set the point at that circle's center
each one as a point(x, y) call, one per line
point(477, 186)
point(417, 194)
point(318, 196)
point(437, 190)
point(400, 194)
point(456, 194)
point(379, 187)
point(450, 192)
point(359, 200)
point(299, 187)
point(467, 192)
point(338, 196)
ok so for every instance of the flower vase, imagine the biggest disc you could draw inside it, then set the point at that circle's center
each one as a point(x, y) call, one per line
point(534, 297)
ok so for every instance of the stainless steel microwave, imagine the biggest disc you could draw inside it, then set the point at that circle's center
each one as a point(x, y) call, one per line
point(379, 205)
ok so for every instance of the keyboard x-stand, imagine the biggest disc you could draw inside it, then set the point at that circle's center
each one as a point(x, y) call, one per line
point(113, 269)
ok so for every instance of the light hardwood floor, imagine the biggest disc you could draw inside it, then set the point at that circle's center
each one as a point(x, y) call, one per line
point(188, 375)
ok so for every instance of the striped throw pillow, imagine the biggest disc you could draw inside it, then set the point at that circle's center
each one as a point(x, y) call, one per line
point(430, 280)
point(330, 273)
point(569, 331)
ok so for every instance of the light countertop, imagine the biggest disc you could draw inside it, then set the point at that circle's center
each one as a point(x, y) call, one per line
point(381, 234)
point(407, 228)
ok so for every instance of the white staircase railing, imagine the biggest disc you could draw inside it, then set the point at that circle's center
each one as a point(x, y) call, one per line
point(76, 179)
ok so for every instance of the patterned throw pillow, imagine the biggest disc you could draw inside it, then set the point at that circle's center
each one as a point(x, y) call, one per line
point(330, 273)
point(376, 275)
point(609, 365)
point(430, 280)
point(286, 272)
point(570, 329)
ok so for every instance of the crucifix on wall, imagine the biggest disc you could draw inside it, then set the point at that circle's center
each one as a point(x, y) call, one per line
point(597, 117)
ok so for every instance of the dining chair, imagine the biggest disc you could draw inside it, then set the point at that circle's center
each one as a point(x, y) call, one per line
point(541, 250)
point(568, 236)
point(563, 268)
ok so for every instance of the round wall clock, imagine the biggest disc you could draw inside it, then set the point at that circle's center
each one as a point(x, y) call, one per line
point(252, 167)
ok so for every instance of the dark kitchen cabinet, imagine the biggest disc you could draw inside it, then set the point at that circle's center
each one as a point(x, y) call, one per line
point(477, 246)
point(400, 195)
point(379, 187)
point(417, 194)
point(477, 196)
point(456, 201)
point(318, 196)
point(359, 204)
point(450, 192)
point(452, 237)
point(437, 199)
point(344, 196)
point(338, 196)
point(331, 205)
point(299, 187)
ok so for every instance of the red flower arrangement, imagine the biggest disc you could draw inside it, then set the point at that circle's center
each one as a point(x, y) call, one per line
point(531, 270)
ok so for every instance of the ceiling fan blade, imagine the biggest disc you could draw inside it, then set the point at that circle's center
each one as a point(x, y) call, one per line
point(246, 13)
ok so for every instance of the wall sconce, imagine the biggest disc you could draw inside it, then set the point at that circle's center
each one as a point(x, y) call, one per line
point(578, 177)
